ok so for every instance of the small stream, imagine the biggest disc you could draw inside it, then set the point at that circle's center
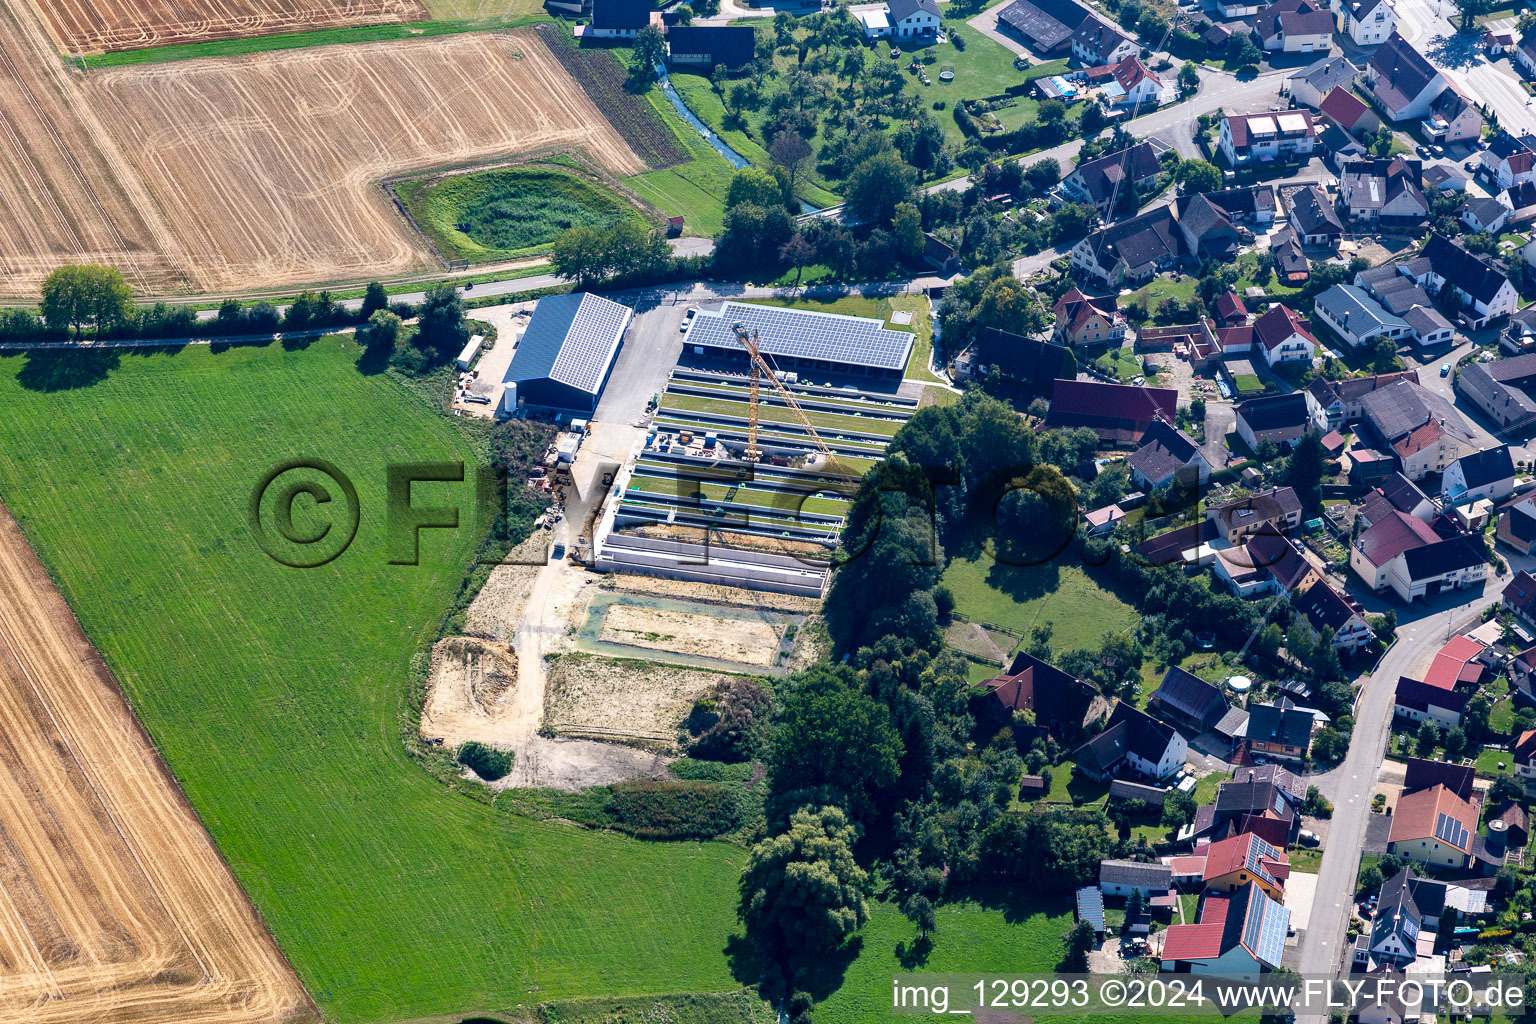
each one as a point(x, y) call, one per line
point(737, 160)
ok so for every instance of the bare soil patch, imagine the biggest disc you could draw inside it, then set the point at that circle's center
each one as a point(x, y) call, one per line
point(711, 593)
point(471, 691)
point(116, 906)
point(725, 638)
point(593, 695)
point(98, 26)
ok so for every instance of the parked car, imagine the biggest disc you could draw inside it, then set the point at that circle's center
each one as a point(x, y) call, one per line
point(1437, 150)
point(1423, 151)
point(1445, 369)
point(1470, 165)
point(1308, 838)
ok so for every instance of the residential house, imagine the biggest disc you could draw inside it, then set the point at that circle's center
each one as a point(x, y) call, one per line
point(1102, 521)
point(1498, 43)
point(1348, 111)
point(1418, 701)
point(1504, 390)
point(1445, 178)
point(1291, 266)
point(1383, 191)
point(1132, 251)
point(1098, 45)
point(1523, 754)
point(1356, 317)
point(1062, 705)
point(1433, 826)
point(913, 19)
point(1132, 740)
point(618, 19)
point(1314, 218)
point(1400, 921)
point(1246, 207)
point(1119, 413)
point(1423, 431)
point(939, 255)
point(1188, 702)
point(1400, 294)
point(1238, 935)
point(1519, 595)
point(1123, 877)
point(1261, 565)
point(1480, 213)
point(1524, 55)
point(1083, 320)
point(1396, 493)
point(1141, 89)
point(1452, 118)
point(1263, 804)
point(1047, 26)
point(1294, 26)
point(1208, 232)
point(1282, 732)
point(1167, 455)
point(1486, 474)
point(1335, 617)
point(1309, 85)
point(1230, 311)
point(1261, 138)
point(1034, 364)
point(1517, 529)
point(1485, 291)
point(1336, 403)
point(1099, 182)
point(707, 46)
point(1402, 83)
point(1380, 556)
point(1188, 545)
point(1234, 862)
point(1276, 511)
point(1509, 160)
point(1281, 336)
point(1457, 665)
point(1282, 419)
point(1367, 22)
point(1339, 146)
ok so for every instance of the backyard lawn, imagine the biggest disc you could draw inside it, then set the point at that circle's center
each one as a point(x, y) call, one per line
point(1020, 598)
point(1120, 363)
point(1157, 291)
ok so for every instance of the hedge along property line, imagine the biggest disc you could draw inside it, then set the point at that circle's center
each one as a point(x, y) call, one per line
point(301, 40)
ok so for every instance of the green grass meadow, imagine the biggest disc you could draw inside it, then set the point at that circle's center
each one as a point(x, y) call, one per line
point(278, 696)
point(508, 213)
point(694, 190)
point(1021, 597)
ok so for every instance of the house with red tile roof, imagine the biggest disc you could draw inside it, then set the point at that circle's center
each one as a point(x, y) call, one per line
point(1335, 617)
point(1086, 320)
point(1237, 935)
point(1230, 311)
point(1283, 337)
point(1407, 556)
point(1519, 596)
point(1433, 826)
point(1062, 704)
point(1343, 108)
point(1456, 665)
point(1233, 863)
point(1523, 753)
point(1265, 138)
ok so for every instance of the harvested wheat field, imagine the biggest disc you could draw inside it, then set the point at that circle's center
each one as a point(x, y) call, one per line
point(115, 907)
point(268, 164)
point(97, 26)
point(66, 194)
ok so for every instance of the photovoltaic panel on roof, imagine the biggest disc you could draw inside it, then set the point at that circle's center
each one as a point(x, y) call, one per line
point(1449, 830)
point(1275, 921)
point(801, 334)
point(571, 339)
point(1292, 122)
point(1262, 125)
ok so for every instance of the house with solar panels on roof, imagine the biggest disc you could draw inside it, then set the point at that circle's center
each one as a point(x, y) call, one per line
point(1240, 934)
point(565, 354)
point(800, 340)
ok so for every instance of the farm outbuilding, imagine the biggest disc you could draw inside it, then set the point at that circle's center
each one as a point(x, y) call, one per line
point(568, 350)
point(800, 340)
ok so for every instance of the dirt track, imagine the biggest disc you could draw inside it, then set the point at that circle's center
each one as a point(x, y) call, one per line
point(115, 908)
point(256, 172)
point(96, 26)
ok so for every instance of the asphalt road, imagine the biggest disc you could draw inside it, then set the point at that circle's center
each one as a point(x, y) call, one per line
point(1350, 785)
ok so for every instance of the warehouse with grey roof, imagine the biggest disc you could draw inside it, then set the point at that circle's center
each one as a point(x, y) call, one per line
point(566, 353)
point(800, 340)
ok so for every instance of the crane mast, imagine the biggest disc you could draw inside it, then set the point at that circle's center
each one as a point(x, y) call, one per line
point(760, 369)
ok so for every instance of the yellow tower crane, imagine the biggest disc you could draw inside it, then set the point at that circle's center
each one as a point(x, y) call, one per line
point(761, 369)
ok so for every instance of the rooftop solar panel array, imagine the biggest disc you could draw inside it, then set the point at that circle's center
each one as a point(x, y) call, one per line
point(570, 339)
point(1449, 830)
point(1090, 907)
point(801, 334)
point(1268, 940)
